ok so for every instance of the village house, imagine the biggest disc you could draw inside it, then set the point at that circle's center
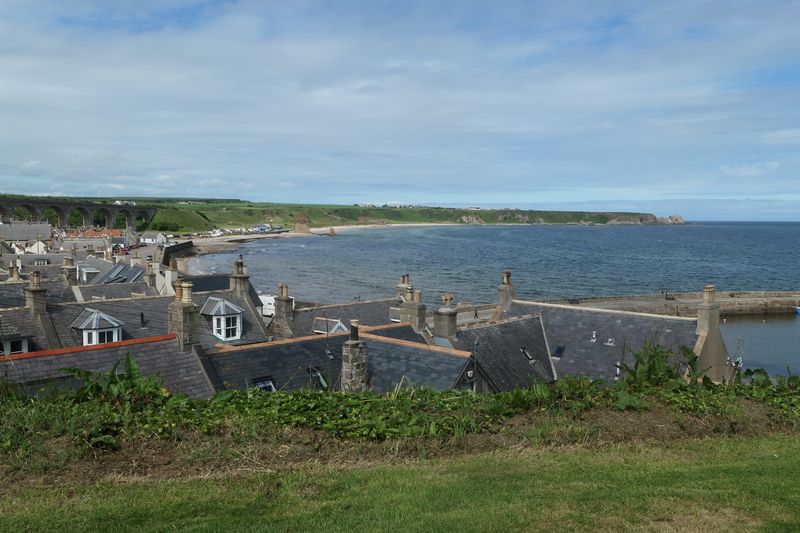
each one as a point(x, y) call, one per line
point(208, 333)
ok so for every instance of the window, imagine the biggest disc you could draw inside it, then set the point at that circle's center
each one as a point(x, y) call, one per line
point(316, 376)
point(526, 353)
point(101, 336)
point(104, 336)
point(231, 326)
point(559, 353)
point(14, 346)
point(266, 384)
point(40, 262)
point(228, 328)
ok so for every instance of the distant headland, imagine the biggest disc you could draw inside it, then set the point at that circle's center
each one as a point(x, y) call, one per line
point(201, 214)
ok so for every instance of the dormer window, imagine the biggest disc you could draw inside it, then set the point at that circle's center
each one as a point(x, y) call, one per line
point(97, 327)
point(12, 341)
point(226, 318)
point(266, 384)
point(227, 328)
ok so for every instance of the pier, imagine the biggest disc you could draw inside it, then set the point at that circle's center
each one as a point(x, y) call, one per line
point(685, 304)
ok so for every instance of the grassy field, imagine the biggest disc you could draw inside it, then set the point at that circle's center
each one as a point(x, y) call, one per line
point(652, 451)
point(182, 215)
point(199, 217)
point(715, 484)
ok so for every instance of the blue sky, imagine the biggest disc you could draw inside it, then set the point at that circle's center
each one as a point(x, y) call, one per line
point(689, 107)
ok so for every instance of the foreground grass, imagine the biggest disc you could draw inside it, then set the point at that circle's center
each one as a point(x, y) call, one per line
point(707, 484)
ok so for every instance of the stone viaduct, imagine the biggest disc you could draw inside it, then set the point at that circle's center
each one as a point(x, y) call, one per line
point(87, 210)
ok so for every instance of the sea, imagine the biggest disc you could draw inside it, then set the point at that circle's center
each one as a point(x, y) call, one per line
point(546, 262)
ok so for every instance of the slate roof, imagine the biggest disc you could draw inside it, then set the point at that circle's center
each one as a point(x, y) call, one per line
point(569, 332)
point(400, 331)
point(21, 231)
point(209, 282)
point(513, 353)
point(94, 319)
point(215, 306)
point(8, 331)
point(371, 313)
point(28, 326)
point(287, 363)
point(13, 294)
point(181, 371)
point(119, 273)
point(115, 290)
point(155, 312)
point(216, 282)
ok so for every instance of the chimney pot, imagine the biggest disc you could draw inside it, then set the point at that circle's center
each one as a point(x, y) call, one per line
point(179, 290)
point(417, 296)
point(506, 277)
point(186, 294)
point(36, 279)
point(173, 264)
point(283, 290)
point(708, 294)
point(354, 330)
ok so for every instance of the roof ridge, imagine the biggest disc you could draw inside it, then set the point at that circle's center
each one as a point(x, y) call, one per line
point(93, 347)
point(412, 344)
point(228, 348)
point(476, 325)
point(611, 311)
point(344, 304)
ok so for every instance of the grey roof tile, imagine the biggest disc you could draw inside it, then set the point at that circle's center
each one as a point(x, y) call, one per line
point(161, 357)
point(570, 329)
point(513, 353)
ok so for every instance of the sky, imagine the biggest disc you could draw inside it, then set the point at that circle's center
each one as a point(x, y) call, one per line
point(680, 107)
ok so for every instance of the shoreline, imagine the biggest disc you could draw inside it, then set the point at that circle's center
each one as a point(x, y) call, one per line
point(212, 245)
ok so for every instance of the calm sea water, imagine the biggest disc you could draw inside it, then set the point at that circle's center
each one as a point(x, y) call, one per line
point(546, 262)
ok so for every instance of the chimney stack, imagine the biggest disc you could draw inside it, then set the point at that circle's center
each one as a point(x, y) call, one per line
point(353, 377)
point(445, 321)
point(239, 281)
point(13, 272)
point(179, 290)
point(183, 315)
point(35, 294)
point(710, 348)
point(403, 286)
point(171, 275)
point(150, 276)
point(69, 270)
point(506, 291)
point(413, 310)
point(284, 305)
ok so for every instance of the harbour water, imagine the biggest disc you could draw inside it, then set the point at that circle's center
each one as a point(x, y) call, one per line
point(546, 262)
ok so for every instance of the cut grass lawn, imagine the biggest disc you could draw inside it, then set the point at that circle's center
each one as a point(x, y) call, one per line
point(706, 484)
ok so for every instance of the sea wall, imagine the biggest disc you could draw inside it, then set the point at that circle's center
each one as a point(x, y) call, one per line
point(685, 304)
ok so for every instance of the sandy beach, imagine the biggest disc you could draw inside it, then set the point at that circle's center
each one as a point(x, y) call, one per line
point(227, 243)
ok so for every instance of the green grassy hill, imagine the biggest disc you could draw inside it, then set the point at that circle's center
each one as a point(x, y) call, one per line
point(190, 215)
point(204, 216)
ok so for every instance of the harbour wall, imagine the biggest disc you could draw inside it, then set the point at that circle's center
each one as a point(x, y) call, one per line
point(685, 304)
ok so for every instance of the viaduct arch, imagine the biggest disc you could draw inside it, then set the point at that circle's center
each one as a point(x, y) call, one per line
point(87, 211)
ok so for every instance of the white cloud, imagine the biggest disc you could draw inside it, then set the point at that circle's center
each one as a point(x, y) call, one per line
point(298, 102)
point(750, 170)
point(787, 136)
